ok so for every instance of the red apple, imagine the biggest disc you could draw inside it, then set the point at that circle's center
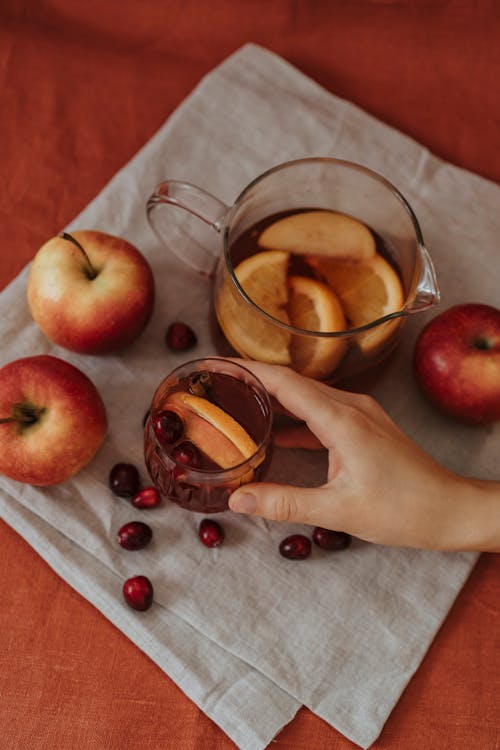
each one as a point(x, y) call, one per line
point(52, 420)
point(90, 292)
point(457, 362)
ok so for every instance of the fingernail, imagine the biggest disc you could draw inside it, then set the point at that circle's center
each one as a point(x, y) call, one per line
point(243, 502)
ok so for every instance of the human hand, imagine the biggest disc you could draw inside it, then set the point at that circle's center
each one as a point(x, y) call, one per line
point(380, 486)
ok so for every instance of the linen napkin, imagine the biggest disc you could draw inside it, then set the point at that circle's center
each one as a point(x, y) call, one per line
point(246, 634)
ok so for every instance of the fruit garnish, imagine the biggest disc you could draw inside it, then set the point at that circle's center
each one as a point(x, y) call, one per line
point(167, 426)
point(138, 592)
point(212, 430)
point(328, 539)
point(124, 480)
point(223, 421)
point(264, 278)
point(187, 454)
point(313, 306)
point(295, 547)
point(134, 535)
point(211, 533)
point(146, 498)
point(180, 337)
point(320, 233)
point(367, 290)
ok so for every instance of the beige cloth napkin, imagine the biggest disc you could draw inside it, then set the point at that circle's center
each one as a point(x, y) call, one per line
point(248, 635)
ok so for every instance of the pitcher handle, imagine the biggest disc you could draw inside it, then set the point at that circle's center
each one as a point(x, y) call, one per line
point(427, 291)
point(185, 241)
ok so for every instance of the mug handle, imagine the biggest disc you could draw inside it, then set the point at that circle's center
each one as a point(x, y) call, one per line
point(185, 241)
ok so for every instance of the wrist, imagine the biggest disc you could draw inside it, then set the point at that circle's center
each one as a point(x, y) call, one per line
point(477, 518)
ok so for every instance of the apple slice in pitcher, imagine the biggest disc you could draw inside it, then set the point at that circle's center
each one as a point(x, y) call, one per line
point(321, 232)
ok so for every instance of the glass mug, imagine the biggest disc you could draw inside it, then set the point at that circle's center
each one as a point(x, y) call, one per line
point(329, 308)
point(207, 432)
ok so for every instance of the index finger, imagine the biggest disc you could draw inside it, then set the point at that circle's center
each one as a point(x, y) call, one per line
point(310, 401)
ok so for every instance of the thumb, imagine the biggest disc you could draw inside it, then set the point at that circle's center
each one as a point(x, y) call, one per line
point(281, 502)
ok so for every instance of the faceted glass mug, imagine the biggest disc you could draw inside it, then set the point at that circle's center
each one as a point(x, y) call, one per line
point(207, 432)
point(400, 267)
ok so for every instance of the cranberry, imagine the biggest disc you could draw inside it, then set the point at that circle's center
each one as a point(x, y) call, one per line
point(145, 418)
point(187, 453)
point(180, 337)
point(331, 540)
point(211, 533)
point(146, 498)
point(138, 592)
point(295, 547)
point(134, 535)
point(124, 480)
point(168, 427)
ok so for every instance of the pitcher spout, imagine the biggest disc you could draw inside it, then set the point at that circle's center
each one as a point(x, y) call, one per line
point(427, 291)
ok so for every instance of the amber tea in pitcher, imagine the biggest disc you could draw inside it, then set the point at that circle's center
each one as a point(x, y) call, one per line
point(318, 264)
point(316, 271)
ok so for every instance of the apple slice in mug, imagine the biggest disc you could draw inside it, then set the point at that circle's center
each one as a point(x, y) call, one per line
point(212, 430)
point(90, 292)
point(52, 420)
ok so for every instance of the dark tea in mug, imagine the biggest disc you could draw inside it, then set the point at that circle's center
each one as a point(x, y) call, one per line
point(207, 433)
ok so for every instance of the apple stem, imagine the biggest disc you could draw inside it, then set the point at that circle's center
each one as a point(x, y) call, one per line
point(24, 415)
point(481, 342)
point(70, 238)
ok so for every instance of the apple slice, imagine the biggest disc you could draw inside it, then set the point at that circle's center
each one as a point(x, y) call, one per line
point(328, 233)
point(212, 430)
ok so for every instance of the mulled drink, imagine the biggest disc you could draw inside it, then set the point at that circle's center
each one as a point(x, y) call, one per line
point(322, 279)
point(319, 263)
point(207, 433)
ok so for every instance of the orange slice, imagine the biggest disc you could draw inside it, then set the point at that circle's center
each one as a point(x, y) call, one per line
point(314, 307)
point(367, 290)
point(263, 277)
point(320, 233)
point(212, 430)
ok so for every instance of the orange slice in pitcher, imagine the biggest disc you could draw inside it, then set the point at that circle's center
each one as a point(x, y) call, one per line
point(329, 233)
point(313, 306)
point(367, 290)
point(212, 430)
point(263, 277)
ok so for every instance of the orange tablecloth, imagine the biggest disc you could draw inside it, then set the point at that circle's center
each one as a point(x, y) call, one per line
point(83, 86)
